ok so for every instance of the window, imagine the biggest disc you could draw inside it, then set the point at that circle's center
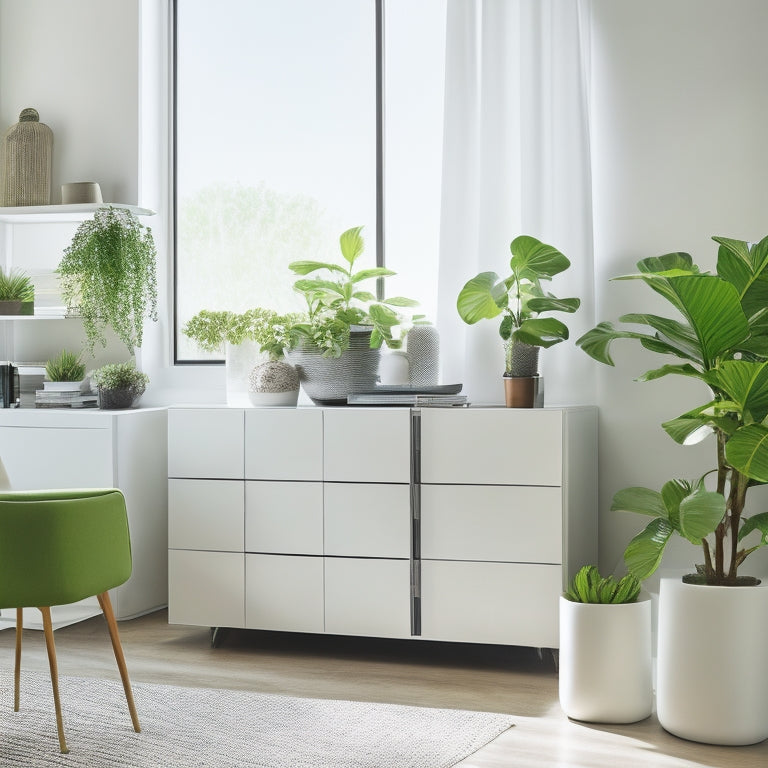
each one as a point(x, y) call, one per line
point(276, 146)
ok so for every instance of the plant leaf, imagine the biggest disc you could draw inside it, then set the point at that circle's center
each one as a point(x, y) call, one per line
point(352, 244)
point(533, 260)
point(756, 522)
point(744, 382)
point(700, 513)
point(644, 501)
point(482, 297)
point(747, 451)
point(305, 267)
point(552, 304)
point(541, 331)
point(400, 301)
point(367, 274)
point(644, 552)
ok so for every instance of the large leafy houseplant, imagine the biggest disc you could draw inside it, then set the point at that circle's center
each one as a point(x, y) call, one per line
point(337, 301)
point(718, 335)
point(108, 275)
point(519, 300)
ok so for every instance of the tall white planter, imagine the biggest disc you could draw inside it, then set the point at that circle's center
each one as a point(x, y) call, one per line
point(239, 361)
point(605, 661)
point(712, 679)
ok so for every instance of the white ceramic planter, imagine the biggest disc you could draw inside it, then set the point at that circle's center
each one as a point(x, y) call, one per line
point(605, 661)
point(712, 679)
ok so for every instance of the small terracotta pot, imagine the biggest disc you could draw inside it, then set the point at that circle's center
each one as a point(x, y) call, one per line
point(520, 391)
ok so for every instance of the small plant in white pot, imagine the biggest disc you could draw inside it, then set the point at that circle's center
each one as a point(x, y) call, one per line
point(605, 649)
point(120, 385)
point(65, 372)
point(17, 293)
point(520, 300)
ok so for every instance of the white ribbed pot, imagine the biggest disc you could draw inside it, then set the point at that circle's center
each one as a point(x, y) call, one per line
point(605, 661)
point(712, 679)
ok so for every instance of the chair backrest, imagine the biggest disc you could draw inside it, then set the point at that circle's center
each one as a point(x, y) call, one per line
point(58, 547)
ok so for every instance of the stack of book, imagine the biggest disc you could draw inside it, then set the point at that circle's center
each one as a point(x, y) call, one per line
point(51, 398)
point(439, 395)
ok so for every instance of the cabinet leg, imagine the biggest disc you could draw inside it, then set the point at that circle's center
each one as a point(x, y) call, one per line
point(554, 653)
point(217, 635)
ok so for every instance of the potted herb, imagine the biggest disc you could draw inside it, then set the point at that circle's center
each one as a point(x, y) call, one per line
point(17, 293)
point(344, 321)
point(108, 276)
point(707, 690)
point(65, 372)
point(605, 649)
point(520, 300)
point(120, 385)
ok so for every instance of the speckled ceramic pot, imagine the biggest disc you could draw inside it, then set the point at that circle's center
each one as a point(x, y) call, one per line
point(273, 383)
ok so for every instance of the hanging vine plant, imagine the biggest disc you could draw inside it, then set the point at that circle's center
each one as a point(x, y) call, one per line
point(109, 276)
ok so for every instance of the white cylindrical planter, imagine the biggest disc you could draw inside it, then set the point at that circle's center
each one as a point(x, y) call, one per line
point(712, 679)
point(605, 661)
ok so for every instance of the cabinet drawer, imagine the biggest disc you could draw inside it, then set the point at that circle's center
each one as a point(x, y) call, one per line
point(492, 522)
point(205, 443)
point(284, 444)
point(367, 520)
point(367, 597)
point(205, 514)
point(491, 603)
point(284, 593)
point(367, 445)
point(284, 517)
point(36, 457)
point(501, 446)
point(206, 588)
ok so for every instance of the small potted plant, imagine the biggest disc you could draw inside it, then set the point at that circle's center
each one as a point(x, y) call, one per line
point(243, 337)
point(120, 385)
point(65, 372)
point(605, 649)
point(17, 293)
point(520, 301)
point(343, 321)
point(109, 276)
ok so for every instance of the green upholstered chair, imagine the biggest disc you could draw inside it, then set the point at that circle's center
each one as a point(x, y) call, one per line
point(58, 547)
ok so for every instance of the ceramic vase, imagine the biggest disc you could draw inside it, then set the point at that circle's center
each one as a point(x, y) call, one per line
point(274, 383)
point(712, 680)
point(605, 661)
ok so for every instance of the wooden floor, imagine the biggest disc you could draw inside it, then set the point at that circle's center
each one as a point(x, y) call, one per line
point(492, 678)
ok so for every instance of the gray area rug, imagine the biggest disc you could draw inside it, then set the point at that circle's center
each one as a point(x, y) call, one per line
point(212, 728)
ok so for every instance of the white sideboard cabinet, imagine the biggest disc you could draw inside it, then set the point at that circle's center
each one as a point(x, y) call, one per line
point(458, 524)
point(59, 448)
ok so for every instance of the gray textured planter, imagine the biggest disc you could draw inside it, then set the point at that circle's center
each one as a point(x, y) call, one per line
point(328, 380)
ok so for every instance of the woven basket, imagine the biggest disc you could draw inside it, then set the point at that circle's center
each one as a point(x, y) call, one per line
point(25, 160)
point(328, 380)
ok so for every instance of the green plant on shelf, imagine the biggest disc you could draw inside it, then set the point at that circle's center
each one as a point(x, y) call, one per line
point(66, 366)
point(120, 376)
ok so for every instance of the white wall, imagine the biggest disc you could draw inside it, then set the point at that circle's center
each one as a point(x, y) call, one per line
point(76, 63)
point(680, 154)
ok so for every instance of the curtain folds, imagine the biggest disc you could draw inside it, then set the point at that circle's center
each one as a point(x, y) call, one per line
point(516, 160)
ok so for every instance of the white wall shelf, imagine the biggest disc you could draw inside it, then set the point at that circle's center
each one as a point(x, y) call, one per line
point(37, 214)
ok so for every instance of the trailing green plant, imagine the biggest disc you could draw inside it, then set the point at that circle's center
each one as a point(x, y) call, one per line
point(211, 329)
point(16, 285)
point(520, 300)
point(336, 301)
point(587, 586)
point(120, 376)
point(109, 275)
point(66, 366)
point(719, 336)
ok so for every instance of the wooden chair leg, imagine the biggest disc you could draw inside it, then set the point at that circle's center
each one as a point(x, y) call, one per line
point(17, 666)
point(51, 648)
point(106, 607)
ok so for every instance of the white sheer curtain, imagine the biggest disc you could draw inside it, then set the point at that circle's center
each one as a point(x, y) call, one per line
point(516, 160)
